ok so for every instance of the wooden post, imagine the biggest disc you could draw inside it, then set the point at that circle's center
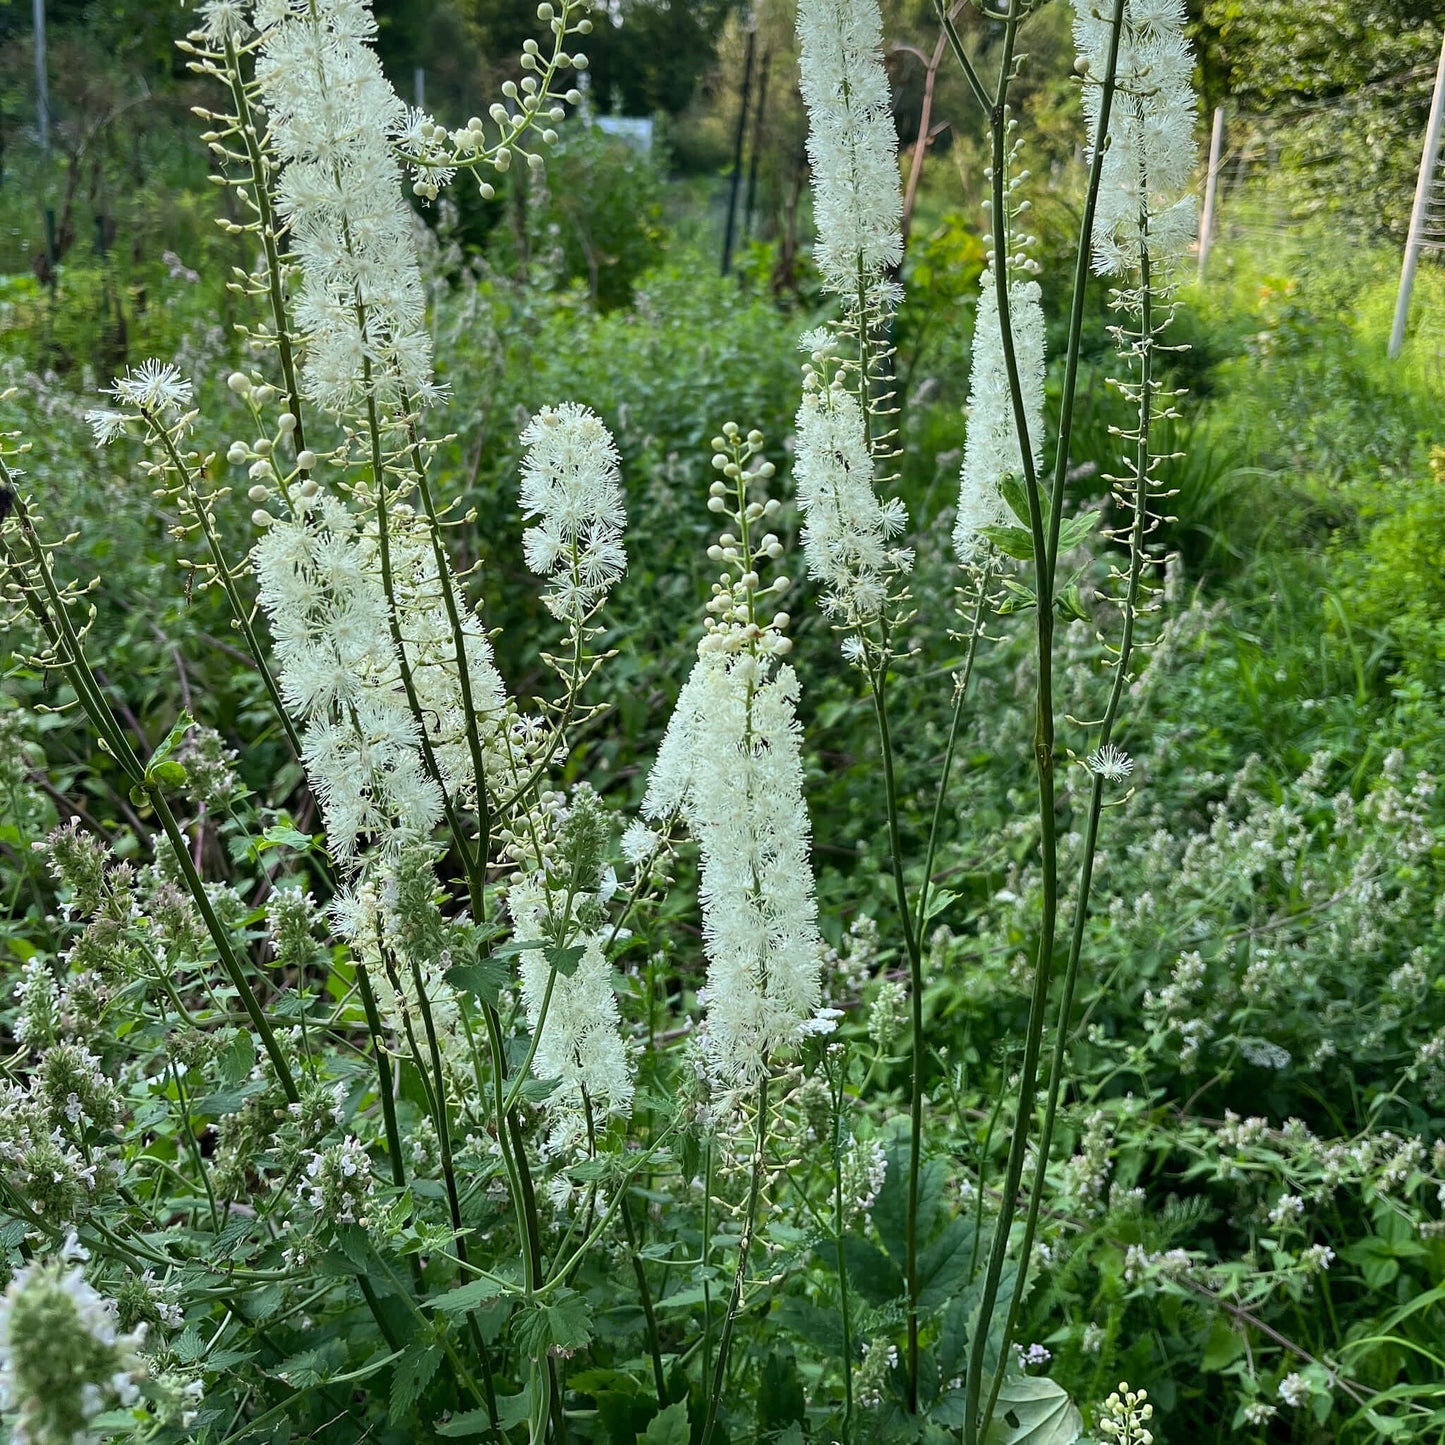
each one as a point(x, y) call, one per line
point(1414, 241)
point(42, 86)
point(727, 255)
point(418, 79)
point(751, 201)
point(1211, 189)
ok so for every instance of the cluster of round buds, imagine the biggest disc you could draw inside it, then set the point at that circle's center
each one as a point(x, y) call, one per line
point(738, 611)
point(262, 455)
point(1125, 1416)
point(1018, 261)
point(534, 108)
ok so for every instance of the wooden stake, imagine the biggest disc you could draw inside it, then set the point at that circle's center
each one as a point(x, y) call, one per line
point(1211, 187)
point(1414, 241)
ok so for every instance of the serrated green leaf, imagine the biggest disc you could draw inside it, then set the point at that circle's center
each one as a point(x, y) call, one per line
point(469, 1422)
point(1011, 541)
point(468, 1296)
point(535, 1091)
point(563, 1322)
point(236, 1060)
point(565, 960)
point(283, 835)
point(1069, 604)
point(485, 979)
point(1011, 489)
point(870, 1271)
point(412, 1374)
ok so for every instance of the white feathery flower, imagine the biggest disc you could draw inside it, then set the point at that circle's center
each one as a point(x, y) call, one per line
point(571, 482)
point(1110, 763)
point(581, 1042)
point(106, 425)
point(847, 533)
point(360, 305)
point(224, 20)
point(152, 384)
point(991, 449)
point(638, 842)
point(731, 764)
point(1150, 154)
point(319, 582)
point(852, 142)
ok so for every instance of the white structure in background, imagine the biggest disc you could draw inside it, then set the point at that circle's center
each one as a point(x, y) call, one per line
point(636, 130)
point(1427, 217)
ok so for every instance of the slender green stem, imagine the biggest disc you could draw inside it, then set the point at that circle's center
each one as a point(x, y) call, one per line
point(750, 1221)
point(383, 1073)
point(1142, 465)
point(878, 678)
point(960, 693)
point(649, 1314)
point(221, 939)
point(839, 1221)
point(1081, 277)
point(955, 44)
point(228, 582)
point(260, 176)
point(975, 1419)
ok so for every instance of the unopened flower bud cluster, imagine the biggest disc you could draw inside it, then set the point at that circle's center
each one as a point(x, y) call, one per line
point(739, 612)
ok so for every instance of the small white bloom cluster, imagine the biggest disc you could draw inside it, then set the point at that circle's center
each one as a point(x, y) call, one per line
point(63, 1358)
point(361, 304)
point(991, 450)
point(853, 147)
point(1294, 1390)
point(570, 480)
point(864, 1171)
point(338, 1182)
point(852, 143)
point(731, 766)
point(880, 1359)
point(848, 534)
point(1149, 159)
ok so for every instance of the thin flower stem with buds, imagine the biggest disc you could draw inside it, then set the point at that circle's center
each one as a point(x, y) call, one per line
point(745, 1241)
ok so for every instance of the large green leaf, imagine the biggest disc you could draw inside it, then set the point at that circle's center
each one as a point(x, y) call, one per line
point(1034, 1411)
point(668, 1427)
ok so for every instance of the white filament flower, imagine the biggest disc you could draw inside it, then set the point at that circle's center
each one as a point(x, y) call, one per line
point(1110, 763)
point(1150, 154)
point(847, 533)
point(571, 481)
point(731, 764)
point(361, 303)
point(852, 142)
point(319, 583)
point(991, 449)
point(581, 1043)
point(152, 384)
